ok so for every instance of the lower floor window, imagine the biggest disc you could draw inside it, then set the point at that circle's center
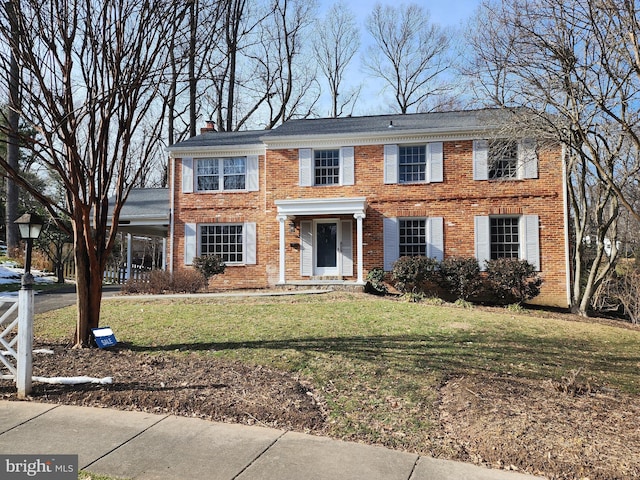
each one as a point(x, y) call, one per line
point(413, 237)
point(505, 237)
point(223, 240)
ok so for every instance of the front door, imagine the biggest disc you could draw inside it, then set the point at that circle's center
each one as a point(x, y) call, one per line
point(326, 248)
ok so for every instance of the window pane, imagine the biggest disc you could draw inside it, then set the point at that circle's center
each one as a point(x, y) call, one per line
point(234, 170)
point(207, 174)
point(327, 167)
point(413, 238)
point(223, 240)
point(505, 238)
point(503, 159)
point(412, 163)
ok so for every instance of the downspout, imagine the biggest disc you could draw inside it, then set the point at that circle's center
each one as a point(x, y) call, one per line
point(565, 204)
point(172, 177)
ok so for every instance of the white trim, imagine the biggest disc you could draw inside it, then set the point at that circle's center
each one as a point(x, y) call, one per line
point(480, 159)
point(281, 250)
point(172, 199)
point(213, 151)
point(322, 206)
point(390, 161)
point(377, 138)
point(327, 271)
point(188, 175)
point(565, 200)
point(347, 166)
point(191, 248)
point(390, 239)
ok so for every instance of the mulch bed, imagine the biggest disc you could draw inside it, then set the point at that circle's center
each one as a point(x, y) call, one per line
point(181, 384)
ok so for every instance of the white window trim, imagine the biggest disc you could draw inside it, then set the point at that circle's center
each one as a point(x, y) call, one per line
point(527, 160)
point(190, 177)
point(307, 168)
point(434, 163)
point(193, 246)
point(434, 233)
point(529, 238)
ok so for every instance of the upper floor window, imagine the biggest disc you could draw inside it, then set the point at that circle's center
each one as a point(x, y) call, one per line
point(327, 167)
point(412, 163)
point(503, 159)
point(220, 174)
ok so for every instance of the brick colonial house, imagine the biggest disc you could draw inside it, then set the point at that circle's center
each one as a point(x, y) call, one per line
point(326, 200)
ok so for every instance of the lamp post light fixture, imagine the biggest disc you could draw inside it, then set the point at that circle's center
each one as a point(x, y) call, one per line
point(30, 225)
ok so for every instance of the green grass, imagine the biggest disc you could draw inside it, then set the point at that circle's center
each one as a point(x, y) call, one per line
point(379, 362)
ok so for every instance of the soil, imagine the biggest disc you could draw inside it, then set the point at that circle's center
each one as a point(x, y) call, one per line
point(561, 431)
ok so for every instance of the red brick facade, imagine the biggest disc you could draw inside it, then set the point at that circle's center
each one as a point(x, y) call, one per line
point(457, 200)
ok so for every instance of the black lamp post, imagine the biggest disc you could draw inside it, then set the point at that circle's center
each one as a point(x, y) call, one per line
point(30, 225)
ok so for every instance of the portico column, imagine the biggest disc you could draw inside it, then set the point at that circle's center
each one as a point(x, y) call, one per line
point(359, 217)
point(129, 254)
point(164, 253)
point(282, 219)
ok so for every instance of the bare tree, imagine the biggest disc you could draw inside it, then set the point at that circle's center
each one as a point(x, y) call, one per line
point(90, 73)
point(288, 78)
point(409, 54)
point(337, 40)
point(568, 63)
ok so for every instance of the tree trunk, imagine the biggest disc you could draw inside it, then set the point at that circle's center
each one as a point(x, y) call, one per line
point(13, 147)
point(89, 293)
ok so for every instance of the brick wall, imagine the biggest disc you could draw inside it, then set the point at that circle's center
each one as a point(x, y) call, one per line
point(457, 199)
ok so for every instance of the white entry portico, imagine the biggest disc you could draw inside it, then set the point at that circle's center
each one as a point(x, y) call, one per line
point(326, 240)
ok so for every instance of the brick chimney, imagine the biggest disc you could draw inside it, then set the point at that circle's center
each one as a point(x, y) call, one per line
point(210, 126)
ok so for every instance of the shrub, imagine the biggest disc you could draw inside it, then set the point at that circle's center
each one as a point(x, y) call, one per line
point(622, 290)
point(209, 265)
point(413, 274)
point(460, 276)
point(187, 281)
point(512, 280)
point(375, 282)
point(163, 281)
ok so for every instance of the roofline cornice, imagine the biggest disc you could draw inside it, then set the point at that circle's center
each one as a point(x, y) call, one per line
point(216, 151)
point(404, 136)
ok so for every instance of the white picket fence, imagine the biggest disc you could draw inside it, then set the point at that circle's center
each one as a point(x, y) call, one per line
point(16, 340)
point(114, 273)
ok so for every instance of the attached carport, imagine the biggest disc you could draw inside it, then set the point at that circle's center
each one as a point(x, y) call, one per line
point(146, 212)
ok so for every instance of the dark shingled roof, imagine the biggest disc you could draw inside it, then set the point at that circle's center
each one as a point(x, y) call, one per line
point(380, 124)
point(248, 137)
point(459, 120)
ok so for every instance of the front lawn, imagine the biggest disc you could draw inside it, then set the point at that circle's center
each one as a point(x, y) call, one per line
point(381, 364)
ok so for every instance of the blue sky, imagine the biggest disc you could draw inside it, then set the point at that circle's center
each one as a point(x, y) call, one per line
point(444, 12)
point(448, 13)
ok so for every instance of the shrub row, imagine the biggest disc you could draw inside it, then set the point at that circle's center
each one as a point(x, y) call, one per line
point(163, 281)
point(505, 280)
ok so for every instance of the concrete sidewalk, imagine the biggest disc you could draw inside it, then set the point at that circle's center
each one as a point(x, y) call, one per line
point(138, 445)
